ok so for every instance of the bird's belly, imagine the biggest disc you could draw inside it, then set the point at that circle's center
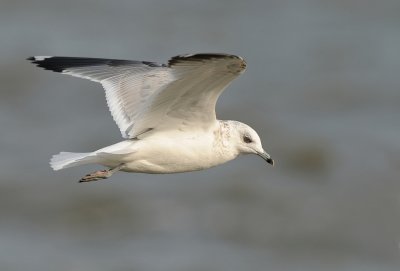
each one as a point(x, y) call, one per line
point(153, 167)
point(173, 157)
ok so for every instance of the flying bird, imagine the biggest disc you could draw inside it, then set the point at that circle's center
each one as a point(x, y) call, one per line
point(165, 112)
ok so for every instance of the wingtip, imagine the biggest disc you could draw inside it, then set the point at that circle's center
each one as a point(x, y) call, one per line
point(209, 55)
point(205, 56)
point(46, 62)
point(36, 59)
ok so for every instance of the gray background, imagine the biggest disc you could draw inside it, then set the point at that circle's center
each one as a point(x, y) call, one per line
point(322, 88)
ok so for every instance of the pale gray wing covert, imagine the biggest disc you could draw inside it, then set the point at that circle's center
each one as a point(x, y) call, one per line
point(190, 99)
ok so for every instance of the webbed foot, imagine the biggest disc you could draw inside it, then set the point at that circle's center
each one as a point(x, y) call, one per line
point(100, 174)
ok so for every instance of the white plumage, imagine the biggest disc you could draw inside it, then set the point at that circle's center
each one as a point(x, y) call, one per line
point(166, 113)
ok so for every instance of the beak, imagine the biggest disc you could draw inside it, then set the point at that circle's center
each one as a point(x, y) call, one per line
point(264, 155)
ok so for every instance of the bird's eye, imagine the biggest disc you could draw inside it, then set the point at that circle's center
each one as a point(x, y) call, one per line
point(247, 139)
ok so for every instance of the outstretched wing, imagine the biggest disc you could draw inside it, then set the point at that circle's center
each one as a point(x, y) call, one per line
point(145, 95)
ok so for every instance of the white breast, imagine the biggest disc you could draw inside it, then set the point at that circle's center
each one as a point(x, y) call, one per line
point(176, 152)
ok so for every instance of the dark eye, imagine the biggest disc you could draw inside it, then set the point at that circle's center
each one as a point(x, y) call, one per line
point(247, 139)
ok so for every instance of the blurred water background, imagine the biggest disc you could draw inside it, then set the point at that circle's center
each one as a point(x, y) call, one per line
point(322, 88)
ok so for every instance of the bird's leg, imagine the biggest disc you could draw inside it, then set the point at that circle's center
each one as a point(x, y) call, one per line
point(100, 174)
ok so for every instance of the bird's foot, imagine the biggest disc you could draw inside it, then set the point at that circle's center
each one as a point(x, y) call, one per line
point(95, 176)
point(100, 174)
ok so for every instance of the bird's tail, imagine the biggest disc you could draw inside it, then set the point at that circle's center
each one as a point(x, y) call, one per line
point(70, 159)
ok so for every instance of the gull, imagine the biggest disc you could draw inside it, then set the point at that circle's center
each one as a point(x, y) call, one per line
point(165, 112)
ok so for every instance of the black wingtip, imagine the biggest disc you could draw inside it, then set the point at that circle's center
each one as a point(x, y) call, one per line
point(51, 63)
point(62, 63)
point(202, 56)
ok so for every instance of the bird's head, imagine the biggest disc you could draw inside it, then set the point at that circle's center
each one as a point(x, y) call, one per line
point(247, 141)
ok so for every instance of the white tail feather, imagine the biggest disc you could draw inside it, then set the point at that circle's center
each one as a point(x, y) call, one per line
point(70, 159)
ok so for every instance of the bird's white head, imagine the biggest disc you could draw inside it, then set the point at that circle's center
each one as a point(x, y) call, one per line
point(247, 141)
